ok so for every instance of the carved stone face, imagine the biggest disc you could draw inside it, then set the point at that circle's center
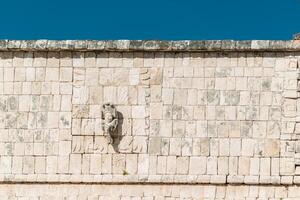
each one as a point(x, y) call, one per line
point(108, 117)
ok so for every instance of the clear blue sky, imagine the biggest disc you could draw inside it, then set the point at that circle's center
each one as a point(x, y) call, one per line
point(149, 19)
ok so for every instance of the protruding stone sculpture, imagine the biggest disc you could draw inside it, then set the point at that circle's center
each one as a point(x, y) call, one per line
point(296, 36)
point(109, 117)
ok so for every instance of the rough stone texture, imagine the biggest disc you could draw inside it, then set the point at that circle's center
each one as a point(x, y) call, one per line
point(150, 45)
point(189, 112)
point(296, 36)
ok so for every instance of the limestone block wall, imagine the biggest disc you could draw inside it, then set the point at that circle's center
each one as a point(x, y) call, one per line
point(189, 112)
point(146, 192)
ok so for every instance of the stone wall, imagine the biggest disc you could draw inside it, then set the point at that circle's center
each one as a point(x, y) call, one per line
point(188, 112)
point(146, 192)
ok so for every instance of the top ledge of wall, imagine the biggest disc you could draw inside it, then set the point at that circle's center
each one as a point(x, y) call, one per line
point(149, 45)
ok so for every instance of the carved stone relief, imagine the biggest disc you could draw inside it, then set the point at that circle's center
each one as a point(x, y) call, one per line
point(109, 118)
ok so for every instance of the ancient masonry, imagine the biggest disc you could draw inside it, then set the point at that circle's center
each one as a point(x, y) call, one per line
point(149, 120)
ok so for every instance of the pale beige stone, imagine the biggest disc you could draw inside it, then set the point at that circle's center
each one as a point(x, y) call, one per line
point(287, 166)
point(91, 76)
point(161, 164)
point(38, 148)
point(224, 147)
point(143, 164)
point(271, 148)
point(265, 166)
point(106, 163)
point(235, 147)
point(40, 165)
point(244, 166)
point(197, 165)
point(64, 147)
point(95, 167)
point(184, 117)
point(17, 162)
point(131, 163)
point(51, 164)
point(165, 128)
point(223, 165)
point(182, 165)
point(156, 111)
point(187, 147)
point(63, 166)
point(118, 163)
point(175, 146)
point(138, 112)
point(212, 165)
point(52, 74)
point(80, 95)
point(6, 164)
point(171, 165)
point(77, 59)
point(167, 95)
point(74, 160)
point(66, 74)
point(254, 166)
point(8, 74)
point(248, 147)
point(140, 144)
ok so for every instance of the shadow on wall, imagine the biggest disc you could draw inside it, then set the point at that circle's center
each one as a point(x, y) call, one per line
point(132, 55)
point(117, 134)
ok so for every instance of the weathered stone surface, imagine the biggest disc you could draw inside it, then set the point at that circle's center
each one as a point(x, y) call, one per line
point(150, 45)
point(210, 112)
point(296, 36)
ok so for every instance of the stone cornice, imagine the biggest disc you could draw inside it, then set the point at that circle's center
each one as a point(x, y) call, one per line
point(149, 45)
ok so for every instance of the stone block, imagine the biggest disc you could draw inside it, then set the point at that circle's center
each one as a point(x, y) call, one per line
point(95, 164)
point(212, 164)
point(182, 165)
point(287, 166)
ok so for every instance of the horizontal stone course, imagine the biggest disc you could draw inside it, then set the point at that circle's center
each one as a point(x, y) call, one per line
point(150, 45)
point(145, 192)
point(150, 179)
point(195, 120)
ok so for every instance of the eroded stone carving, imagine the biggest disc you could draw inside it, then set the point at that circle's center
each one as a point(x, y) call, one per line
point(296, 36)
point(109, 117)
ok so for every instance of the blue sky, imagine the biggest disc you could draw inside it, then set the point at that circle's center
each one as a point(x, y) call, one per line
point(149, 19)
